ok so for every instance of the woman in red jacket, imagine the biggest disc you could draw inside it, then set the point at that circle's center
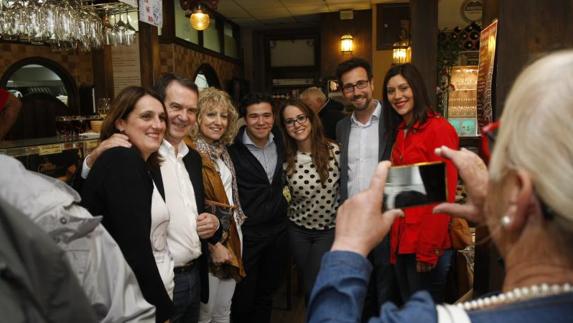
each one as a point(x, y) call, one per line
point(420, 242)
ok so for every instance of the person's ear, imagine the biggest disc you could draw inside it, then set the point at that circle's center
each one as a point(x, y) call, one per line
point(522, 202)
point(120, 125)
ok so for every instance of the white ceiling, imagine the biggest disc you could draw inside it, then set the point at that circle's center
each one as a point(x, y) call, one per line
point(277, 13)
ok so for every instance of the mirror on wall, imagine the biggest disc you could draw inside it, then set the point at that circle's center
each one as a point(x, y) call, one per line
point(36, 78)
point(47, 91)
point(206, 77)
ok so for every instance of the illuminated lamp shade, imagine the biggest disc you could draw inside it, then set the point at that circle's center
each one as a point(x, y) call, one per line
point(346, 43)
point(401, 52)
point(199, 19)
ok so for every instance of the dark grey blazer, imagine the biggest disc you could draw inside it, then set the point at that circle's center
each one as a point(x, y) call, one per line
point(343, 137)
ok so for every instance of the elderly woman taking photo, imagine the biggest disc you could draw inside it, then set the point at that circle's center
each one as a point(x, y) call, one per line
point(216, 120)
point(121, 189)
point(313, 176)
point(526, 204)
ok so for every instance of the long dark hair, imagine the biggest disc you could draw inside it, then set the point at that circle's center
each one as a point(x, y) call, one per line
point(319, 144)
point(121, 106)
point(421, 99)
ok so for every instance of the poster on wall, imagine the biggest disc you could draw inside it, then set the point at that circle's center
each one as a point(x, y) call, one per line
point(151, 12)
point(485, 83)
point(125, 63)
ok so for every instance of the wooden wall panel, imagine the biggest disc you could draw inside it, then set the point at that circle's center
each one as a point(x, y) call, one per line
point(331, 28)
point(148, 54)
point(527, 30)
point(424, 14)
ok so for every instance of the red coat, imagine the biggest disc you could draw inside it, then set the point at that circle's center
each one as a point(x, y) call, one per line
point(4, 95)
point(420, 231)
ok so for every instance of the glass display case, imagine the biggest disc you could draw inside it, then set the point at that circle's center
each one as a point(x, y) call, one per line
point(462, 105)
point(462, 100)
point(53, 156)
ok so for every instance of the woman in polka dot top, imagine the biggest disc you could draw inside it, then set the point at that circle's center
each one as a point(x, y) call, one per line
point(312, 174)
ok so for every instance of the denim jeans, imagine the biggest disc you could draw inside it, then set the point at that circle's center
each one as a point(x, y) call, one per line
point(187, 296)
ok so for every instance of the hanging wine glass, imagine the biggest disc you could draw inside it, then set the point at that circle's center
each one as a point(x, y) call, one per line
point(108, 29)
point(119, 30)
point(130, 32)
point(64, 24)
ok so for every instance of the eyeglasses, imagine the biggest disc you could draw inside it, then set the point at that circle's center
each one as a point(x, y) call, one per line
point(301, 118)
point(489, 134)
point(349, 88)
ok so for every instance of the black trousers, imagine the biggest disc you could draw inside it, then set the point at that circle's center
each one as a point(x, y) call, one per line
point(265, 262)
point(307, 248)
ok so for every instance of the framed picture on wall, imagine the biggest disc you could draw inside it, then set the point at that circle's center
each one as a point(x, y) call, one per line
point(393, 23)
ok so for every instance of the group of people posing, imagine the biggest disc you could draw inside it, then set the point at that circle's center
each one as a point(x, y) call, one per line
point(206, 213)
point(524, 201)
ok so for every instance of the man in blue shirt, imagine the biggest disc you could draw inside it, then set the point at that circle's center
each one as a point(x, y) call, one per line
point(258, 157)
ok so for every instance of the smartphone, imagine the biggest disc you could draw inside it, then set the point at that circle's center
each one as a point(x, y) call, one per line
point(415, 184)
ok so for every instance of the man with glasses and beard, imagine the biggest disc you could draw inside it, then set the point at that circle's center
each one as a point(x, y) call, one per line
point(363, 144)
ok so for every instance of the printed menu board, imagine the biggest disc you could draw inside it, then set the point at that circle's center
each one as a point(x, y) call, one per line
point(126, 68)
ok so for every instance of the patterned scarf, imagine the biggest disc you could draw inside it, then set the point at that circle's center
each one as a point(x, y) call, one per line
point(216, 151)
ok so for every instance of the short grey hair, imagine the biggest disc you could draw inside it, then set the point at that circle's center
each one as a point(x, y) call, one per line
point(536, 133)
point(313, 91)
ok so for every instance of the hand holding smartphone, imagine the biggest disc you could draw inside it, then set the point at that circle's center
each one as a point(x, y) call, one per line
point(414, 185)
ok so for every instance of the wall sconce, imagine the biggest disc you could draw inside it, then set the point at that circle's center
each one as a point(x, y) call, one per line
point(401, 52)
point(198, 12)
point(346, 43)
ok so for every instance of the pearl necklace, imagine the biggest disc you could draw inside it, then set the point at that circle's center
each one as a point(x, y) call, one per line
point(519, 294)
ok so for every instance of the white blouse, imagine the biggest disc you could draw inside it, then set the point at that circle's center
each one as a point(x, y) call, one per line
point(159, 225)
point(227, 179)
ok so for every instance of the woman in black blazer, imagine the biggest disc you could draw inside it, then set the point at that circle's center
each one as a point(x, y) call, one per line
point(120, 188)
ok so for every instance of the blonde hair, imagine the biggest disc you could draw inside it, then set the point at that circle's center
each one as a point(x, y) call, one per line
point(313, 92)
point(536, 133)
point(209, 99)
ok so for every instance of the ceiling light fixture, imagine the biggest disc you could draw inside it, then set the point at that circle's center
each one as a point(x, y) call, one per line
point(199, 19)
point(198, 12)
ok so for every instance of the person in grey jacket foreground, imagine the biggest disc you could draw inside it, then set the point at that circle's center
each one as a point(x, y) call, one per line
point(96, 259)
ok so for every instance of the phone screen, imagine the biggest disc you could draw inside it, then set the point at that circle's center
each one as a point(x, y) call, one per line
point(414, 185)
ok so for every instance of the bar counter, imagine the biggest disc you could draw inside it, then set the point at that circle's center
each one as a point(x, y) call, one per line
point(49, 145)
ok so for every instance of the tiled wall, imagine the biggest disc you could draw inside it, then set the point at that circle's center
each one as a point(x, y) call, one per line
point(79, 65)
point(185, 62)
